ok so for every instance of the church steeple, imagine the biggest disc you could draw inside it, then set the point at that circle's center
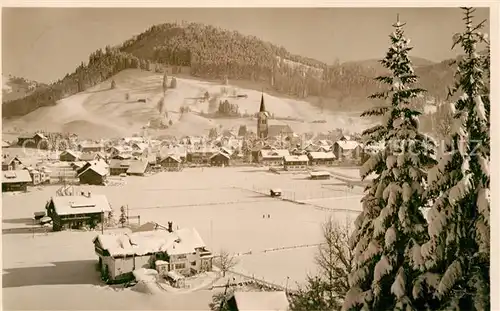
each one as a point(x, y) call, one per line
point(262, 126)
point(262, 106)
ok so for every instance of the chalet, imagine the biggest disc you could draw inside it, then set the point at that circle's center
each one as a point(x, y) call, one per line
point(171, 163)
point(347, 149)
point(139, 147)
point(76, 211)
point(69, 156)
point(321, 158)
point(183, 250)
point(38, 140)
point(93, 174)
point(86, 147)
point(117, 167)
point(310, 147)
point(252, 301)
point(11, 163)
point(295, 163)
point(273, 157)
point(123, 151)
point(16, 180)
point(92, 156)
point(320, 175)
point(138, 167)
point(201, 156)
point(82, 166)
point(220, 159)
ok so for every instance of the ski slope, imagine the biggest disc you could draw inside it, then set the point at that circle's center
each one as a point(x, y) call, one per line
point(102, 112)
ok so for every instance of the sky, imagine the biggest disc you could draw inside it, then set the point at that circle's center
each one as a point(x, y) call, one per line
point(44, 44)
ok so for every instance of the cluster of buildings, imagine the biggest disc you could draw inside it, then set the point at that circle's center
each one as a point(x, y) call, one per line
point(91, 162)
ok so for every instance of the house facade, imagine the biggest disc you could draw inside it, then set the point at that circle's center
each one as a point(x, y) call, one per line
point(295, 163)
point(220, 159)
point(272, 157)
point(321, 158)
point(69, 156)
point(15, 180)
point(11, 163)
point(182, 251)
point(37, 140)
point(76, 211)
point(347, 150)
point(171, 163)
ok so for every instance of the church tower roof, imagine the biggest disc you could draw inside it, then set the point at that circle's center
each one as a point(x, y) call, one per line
point(262, 106)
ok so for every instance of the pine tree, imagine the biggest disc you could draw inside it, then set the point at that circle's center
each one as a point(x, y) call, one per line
point(457, 256)
point(391, 222)
point(123, 217)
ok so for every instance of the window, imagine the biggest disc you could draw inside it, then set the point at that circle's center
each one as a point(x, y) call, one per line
point(181, 256)
point(193, 263)
point(180, 266)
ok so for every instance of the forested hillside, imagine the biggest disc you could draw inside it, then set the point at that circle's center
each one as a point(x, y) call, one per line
point(213, 53)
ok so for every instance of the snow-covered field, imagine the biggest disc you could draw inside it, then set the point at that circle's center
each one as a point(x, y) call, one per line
point(221, 203)
point(103, 112)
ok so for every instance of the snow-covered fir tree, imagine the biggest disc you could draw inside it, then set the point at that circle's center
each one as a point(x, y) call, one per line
point(391, 222)
point(456, 259)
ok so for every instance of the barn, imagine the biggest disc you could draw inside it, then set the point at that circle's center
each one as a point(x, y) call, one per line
point(16, 180)
point(76, 211)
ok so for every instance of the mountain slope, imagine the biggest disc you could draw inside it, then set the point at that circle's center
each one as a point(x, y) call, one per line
point(104, 112)
point(212, 53)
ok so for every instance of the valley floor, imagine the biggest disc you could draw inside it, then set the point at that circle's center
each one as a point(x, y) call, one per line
point(226, 205)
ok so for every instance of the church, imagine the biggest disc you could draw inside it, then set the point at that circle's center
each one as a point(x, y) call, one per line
point(262, 121)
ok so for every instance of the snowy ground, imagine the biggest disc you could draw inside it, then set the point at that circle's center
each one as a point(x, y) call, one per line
point(223, 204)
point(103, 112)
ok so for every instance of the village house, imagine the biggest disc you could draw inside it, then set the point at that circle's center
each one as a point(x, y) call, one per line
point(200, 156)
point(16, 180)
point(37, 176)
point(118, 167)
point(252, 301)
point(171, 163)
point(347, 149)
point(138, 168)
point(69, 156)
point(76, 211)
point(120, 152)
point(319, 175)
point(93, 174)
point(273, 157)
point(82, 166)
point(10, 163)
point(321, 158)
point(89, 147)
point(220, 159)
point(295, 163)
point(92, 156)
point(38, 140)
point(183, 250)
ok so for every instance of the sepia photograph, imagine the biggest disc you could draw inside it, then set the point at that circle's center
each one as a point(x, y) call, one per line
point(246, 159)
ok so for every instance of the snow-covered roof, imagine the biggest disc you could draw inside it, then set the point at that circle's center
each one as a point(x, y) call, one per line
point(262, 301)
point(322, 155)
point(182, 241)
point(320, 173)
point(79, 204)
point(225, 155)
point(296, 158)
point(98, 167)
point(137, 167)
point(347, 144)
point(274, 153)
point(16, 176)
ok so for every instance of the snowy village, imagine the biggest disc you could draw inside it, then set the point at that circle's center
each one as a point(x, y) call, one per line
point(194, 167)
